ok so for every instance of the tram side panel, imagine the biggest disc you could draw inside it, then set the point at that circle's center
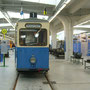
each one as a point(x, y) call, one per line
point(76, 46)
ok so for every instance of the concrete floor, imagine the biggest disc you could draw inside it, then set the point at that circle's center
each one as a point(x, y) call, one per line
point(65, 74)
point(8, 74)
point(68, 75)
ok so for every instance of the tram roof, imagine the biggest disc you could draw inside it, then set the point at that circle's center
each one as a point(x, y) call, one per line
point(32, 20)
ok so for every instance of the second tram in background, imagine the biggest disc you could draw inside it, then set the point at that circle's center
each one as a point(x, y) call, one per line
point(32, 44)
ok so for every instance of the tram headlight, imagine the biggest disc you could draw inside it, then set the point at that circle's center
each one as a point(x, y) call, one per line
point(36, 35)
point(33, 60)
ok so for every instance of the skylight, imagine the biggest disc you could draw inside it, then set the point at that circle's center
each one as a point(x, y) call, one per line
point(17, 15)
point(61, 35)
point(52, 2)
point(25, 15)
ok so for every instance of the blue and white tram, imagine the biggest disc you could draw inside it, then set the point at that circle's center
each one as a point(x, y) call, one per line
point(32, 45)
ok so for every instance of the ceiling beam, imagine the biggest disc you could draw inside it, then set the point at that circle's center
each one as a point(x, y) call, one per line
point(83, 19)
point(59, 5)
point(59, 10)
point(77, 5)
point(83, 11)
point(27, 5)
point(83, 29)
point(7, 17)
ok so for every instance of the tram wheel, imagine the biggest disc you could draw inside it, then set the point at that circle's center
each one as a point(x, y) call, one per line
point(45, 71)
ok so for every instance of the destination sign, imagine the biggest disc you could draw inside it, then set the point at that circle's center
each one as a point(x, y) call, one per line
point(29, 25)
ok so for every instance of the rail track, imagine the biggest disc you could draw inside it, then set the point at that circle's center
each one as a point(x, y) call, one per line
point(15, 84)
point(45, 75)
point(49, 82)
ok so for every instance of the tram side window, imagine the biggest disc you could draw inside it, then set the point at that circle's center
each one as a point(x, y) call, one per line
point(29, 37)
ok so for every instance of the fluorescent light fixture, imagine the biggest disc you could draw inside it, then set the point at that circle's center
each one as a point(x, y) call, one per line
point(60, 9)
point(42, 17)
point(5, 25)
point(82, 26)
point(12, 29)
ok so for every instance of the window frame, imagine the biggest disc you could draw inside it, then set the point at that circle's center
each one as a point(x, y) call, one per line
point(34, 45)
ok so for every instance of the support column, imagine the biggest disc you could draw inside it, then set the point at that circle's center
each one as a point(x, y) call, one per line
point(68, 29)
point(54, 36)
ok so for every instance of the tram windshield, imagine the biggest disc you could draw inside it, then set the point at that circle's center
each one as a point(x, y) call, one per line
point(31, 37)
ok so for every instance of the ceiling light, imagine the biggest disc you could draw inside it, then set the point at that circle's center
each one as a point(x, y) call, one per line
point(42, 17)
point(12, 29)
point(82, 26)
point(5, 25)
